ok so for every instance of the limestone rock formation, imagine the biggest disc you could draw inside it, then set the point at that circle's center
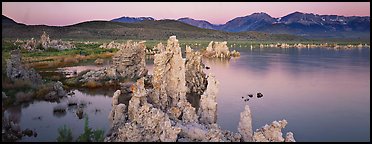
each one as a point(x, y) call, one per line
point(4, 95)
point(145, 122)
point(99, 61)
point(245, 124)
point(208, 102)
point(162, 113)
point(128, 62)
point(15, 70)
point(56, 92)
point(196, 81)
point(272, 133)
point(289, 137)
point(111, 45)
point(219, 50)
point(60, 45)
point(45, 42)
point(30, 45)
point(169, 75)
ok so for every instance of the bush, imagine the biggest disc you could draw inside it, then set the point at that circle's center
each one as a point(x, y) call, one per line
point(24, 96)
point(89, 135)
point(64, 134)
point(71, 82)
point(92, 84)
point(43, 90)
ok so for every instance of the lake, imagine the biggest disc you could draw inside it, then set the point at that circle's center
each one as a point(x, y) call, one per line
point(323, 93)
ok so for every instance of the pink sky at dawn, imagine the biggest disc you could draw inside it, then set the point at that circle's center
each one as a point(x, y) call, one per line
point(67, 13)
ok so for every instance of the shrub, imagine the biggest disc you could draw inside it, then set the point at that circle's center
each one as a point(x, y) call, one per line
point(64, 134)
point(89, 135)
point(71, 82)
point(92, 84)
point(43, 90)
point(24, 96)
point(70, 60)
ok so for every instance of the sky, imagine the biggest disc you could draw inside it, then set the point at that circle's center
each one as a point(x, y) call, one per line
point(68, 13)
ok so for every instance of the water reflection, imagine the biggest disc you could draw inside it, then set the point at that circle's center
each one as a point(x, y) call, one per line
point(314, 89)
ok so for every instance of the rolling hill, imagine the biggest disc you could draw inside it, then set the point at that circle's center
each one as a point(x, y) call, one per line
point(146, 30)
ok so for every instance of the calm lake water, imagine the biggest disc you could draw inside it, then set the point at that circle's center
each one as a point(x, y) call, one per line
point(323, 93)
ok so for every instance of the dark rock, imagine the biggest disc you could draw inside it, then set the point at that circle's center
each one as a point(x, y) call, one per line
point(259, 95)
point(79, 113)
point(28, 132)
point(207, 67)
point(250, 95)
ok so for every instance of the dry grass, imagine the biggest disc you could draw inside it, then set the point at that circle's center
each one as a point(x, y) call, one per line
point(43, 90)
point(71, 82)
point(70, 59)
point(60, 61)
point(8, 84)
point(92, 84)
point(24, 96)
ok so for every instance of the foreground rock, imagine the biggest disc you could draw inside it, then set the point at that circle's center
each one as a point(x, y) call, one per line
point(144, 123)
point(273, 133)
point(208, 102)
point(128, 63)
point(161, 113)
point(219, 50)
point(245, 124)
point(196, 81)
point(15, 70)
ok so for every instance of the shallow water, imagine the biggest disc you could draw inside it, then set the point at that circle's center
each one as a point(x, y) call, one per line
point(322, 93)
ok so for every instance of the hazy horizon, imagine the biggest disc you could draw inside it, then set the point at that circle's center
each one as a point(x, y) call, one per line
point(68, 13)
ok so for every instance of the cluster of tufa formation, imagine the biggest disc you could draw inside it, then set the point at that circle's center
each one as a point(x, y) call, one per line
point(300, 45)
point(15, 70)
point(111, 45)
point(162, 113)
point(219, 50)
point(116, 45)
point(45, 43)
point(128, 62)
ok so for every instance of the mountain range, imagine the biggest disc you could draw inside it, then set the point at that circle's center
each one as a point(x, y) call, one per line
point(297, 23)
point(257, 26)
point(136, 29)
